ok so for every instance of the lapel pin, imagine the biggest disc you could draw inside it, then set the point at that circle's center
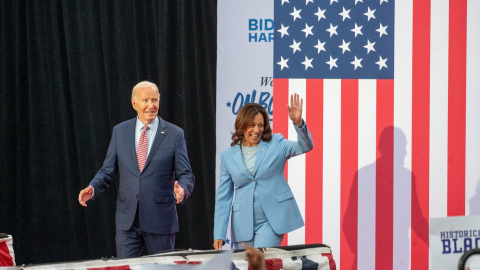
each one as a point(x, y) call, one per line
point(163, 132)
point(263, 150)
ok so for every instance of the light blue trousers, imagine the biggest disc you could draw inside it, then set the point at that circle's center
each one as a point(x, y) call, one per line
point(263, 234)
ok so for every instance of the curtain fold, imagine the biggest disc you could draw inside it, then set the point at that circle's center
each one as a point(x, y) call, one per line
point(67, 69)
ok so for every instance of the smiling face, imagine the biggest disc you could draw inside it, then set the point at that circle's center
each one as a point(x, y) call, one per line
point(253, 132)
point(146, 101)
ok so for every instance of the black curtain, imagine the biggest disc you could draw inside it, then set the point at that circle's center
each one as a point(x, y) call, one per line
point(67, 69)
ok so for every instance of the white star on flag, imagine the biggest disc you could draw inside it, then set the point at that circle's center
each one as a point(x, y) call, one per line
point(295, 46)
point(332, 62)
point(332, 30)
point(369, 14)
point(344, 14)
point(381, 63)
point(357, 30)
point(382, 30)
point(320, 14)
point(308, 30)
point(357, 62)
point(284, 30)
point(344, 46)
point(369, 46)
point(283, 63)
point(307, 63)
point(320, 46)
point(296, 14)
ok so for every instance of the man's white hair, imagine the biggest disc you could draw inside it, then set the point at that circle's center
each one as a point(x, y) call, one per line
point(144, 84)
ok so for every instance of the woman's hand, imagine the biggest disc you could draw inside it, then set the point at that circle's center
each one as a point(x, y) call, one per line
point(217, 244)
point(295, 109)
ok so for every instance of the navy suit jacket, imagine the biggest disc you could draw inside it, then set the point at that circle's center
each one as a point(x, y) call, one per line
point(236, 189)
point(167, 161)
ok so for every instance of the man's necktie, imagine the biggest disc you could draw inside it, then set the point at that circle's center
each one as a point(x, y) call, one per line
point(142, 149)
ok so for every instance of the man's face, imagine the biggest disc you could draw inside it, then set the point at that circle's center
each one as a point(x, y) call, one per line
point(146, 102)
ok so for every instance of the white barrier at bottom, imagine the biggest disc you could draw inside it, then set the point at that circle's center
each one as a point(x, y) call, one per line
point(315, 256)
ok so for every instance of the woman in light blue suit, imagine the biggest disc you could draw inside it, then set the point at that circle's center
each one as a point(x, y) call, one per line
point(251, 171)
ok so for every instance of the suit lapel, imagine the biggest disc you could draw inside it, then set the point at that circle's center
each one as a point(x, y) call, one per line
point(159, 136)
point(131, 139)
point(261, 152)
point(238, 159)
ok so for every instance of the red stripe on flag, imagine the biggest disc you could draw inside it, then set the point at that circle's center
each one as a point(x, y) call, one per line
point(420, 134)
point(314, 164)
point(349, 167)
point(280, 92)
point(280, 123)
point(384, 176)
point(457, 41)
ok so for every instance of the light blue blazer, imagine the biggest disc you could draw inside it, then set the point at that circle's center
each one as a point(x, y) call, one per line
point(269, 182)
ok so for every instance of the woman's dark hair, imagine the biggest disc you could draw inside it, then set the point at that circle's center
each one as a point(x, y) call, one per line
point(245, 117)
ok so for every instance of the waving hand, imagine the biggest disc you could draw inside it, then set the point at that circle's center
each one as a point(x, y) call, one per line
point(295, 109)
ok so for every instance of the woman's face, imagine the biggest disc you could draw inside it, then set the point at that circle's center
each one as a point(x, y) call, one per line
point(253, 132)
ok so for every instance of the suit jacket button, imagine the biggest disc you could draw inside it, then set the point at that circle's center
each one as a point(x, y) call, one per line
point(253, 180)
point(140, 179)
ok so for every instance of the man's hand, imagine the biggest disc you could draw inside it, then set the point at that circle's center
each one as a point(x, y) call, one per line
point(179, 192)
point(85, 195)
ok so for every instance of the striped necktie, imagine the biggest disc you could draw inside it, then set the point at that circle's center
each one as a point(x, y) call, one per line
point(142, 149)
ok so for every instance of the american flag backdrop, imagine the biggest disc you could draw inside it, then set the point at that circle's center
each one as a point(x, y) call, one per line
point(391, 95)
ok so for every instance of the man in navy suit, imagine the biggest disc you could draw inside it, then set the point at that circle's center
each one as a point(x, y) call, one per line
point(149, 156)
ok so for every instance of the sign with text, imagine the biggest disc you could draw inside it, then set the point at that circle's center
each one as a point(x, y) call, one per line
point(450, 238)
point(244, 66)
